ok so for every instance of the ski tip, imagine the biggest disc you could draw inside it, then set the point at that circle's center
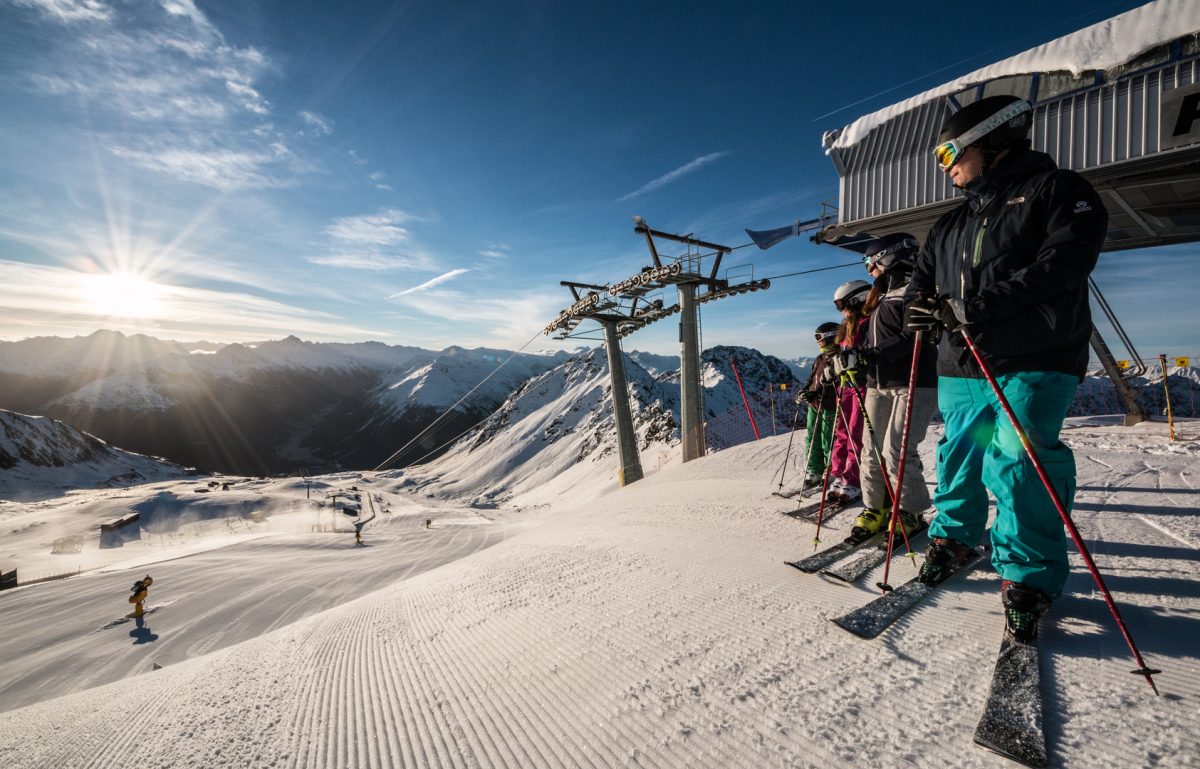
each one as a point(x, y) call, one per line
point(856, 630)
point(1034, 758)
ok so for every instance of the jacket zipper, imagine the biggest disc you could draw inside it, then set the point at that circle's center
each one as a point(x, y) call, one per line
point(971, 259)
point(979, 242)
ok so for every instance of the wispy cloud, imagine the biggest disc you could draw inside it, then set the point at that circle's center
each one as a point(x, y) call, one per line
point(223, 169)
point(248, 97)
point(70, 10)
point(678, 173)
point(377, 177)
point(430, 283)
point(495, 250)
point(382, 229)
point(364, 261)
point(316, 125)
point(193, 95)
point(374, 242)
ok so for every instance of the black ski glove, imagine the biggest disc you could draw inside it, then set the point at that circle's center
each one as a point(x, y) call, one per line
point(846, 361)
point(931, 314)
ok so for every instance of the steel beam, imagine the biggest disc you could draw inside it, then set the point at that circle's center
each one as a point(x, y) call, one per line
point(691, 406)
point(627, 450)
point(1135, 411)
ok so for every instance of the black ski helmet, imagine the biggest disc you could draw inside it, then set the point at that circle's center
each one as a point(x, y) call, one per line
point(898, 249)
point(994, 124)
point(825, 333)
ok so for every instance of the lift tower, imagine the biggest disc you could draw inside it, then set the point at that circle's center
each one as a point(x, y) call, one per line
point(624, 307)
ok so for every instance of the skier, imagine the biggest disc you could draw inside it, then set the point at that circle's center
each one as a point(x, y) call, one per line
point(820, 393)
point(1011, 264)
point(849, 299)
point(885, 360)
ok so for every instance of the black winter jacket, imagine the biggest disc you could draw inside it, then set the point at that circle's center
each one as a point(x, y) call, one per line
point(888, 347)
point(1018, 251)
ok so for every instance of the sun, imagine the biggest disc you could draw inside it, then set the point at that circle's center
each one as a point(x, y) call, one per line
point(123, 295)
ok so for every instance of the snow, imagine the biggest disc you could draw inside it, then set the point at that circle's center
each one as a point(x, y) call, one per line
point(651, 625)
point(440, 382)
point(1103, 46)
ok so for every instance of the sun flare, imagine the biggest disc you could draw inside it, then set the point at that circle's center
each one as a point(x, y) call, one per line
point(123, 295)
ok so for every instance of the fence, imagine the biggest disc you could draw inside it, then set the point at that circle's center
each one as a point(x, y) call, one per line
point(775, 412)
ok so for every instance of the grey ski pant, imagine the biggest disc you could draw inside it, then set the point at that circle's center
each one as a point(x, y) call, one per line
point(885, 407)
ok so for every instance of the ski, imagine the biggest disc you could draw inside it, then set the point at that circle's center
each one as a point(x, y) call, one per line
point(856, 568)
point(823, 558)
point(1011, 724)
point(872, 619)
point(810, 511)
point(796, 492)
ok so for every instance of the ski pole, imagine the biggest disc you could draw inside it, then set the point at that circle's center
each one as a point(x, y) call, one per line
point(1143, 669)
point(918, 338)
point(875, 445)
point(837, 409)
point(808, 442)
point(787, 454)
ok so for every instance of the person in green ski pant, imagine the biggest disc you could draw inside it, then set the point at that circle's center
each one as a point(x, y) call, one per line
point(1011, 265)
point(820, 394)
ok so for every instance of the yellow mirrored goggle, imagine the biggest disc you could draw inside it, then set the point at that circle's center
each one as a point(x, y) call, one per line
point(946, 154)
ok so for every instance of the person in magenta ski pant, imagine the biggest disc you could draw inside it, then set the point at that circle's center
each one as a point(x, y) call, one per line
point(847, 438)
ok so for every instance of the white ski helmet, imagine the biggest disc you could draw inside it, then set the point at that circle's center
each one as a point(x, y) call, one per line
point(852, 293)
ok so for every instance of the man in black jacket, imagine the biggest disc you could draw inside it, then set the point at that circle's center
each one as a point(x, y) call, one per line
point(1011, 263)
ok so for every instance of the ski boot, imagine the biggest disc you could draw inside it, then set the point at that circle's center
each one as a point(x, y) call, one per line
point(913, 523)
point(844, 493)
point(1024, 605)
point(869, 522)
point(943, 558)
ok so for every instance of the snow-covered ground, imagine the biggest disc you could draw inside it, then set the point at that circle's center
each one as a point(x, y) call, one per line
point(654, 625)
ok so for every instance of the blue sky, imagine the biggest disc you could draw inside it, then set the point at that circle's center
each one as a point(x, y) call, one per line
point(425, 173)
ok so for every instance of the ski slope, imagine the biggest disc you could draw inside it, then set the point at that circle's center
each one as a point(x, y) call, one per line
point(652, 626)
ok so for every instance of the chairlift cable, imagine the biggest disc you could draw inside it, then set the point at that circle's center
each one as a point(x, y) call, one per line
point(383, 465)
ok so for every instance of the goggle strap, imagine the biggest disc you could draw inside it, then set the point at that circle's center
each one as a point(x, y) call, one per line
point(981, 130)
point(907, 243)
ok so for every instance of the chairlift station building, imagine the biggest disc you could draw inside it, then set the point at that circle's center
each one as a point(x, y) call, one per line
point(1117, 102)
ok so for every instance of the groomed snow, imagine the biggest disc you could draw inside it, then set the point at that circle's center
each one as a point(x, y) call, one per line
point(1102, 46)
point(653, 626)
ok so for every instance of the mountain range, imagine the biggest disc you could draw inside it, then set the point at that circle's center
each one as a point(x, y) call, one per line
point(278, 406)
point(258, 408)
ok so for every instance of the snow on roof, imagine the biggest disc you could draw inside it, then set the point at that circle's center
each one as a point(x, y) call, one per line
point(1102, 46)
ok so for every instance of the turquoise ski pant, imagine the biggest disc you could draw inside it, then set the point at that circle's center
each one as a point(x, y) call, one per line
point(819, 432)
point(981, 452)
